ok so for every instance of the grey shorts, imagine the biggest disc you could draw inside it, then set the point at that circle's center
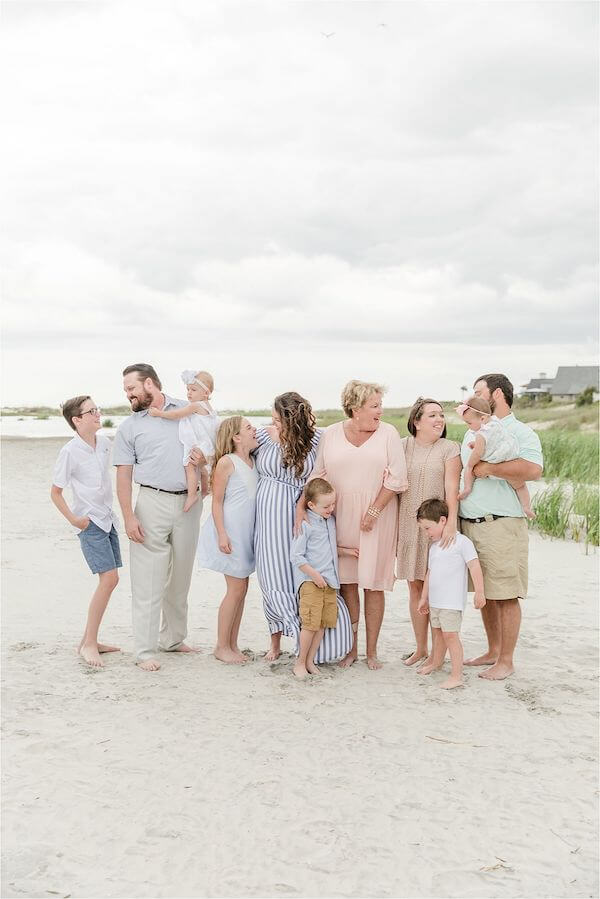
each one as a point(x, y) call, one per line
point(101, 550)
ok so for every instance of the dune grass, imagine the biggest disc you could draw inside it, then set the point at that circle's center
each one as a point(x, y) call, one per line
point(561, 511)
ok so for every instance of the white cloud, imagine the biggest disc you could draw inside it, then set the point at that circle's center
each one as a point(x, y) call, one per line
point(186, 178)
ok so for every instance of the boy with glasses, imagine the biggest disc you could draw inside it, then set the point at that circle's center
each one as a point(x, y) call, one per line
point(84, 464)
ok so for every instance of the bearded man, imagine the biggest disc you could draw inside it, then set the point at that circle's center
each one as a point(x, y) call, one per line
point(163, 538)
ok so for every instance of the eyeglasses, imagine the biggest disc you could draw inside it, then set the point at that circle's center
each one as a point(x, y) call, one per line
point(91, 411)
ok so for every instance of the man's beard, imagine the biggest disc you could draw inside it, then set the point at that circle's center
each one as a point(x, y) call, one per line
point(138, 404)
point(492, 404)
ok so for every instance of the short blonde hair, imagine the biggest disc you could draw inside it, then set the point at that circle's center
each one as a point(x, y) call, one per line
point(356, 393)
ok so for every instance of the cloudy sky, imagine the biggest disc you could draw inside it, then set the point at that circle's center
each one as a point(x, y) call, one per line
point(412, 199)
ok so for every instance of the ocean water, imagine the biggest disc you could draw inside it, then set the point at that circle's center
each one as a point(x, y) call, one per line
point(56, 426)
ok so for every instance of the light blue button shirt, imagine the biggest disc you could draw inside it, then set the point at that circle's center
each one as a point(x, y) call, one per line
point(153, 447)
point(494, 496)
point(316, 545)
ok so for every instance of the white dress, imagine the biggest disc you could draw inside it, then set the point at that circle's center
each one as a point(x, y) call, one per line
point(500, 445)
point(239, 512)
point(199, 430)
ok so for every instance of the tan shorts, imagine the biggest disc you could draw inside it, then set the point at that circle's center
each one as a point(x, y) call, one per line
point(503, 549)
point(448, 619)
point(318, 606)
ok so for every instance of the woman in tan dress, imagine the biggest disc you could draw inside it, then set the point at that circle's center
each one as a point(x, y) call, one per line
point(433, 465)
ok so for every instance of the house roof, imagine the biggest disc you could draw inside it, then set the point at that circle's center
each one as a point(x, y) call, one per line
point(573, 379)
point(538, 383)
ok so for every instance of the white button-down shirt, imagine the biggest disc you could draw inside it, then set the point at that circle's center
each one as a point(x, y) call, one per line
point(87, 472)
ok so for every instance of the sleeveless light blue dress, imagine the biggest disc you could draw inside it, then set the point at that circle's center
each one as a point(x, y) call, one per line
point(239, 510)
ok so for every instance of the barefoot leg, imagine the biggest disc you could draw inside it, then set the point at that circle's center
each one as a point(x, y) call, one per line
point(148, 665)
point(275, 649)
point(307, 638)
point(374, 609)
point(351, 598)
point(454, 646)
point(438, 653)
point(228, 621)
point(490, 615)
point(510, 622)
point(88, 648)
point(310, 658)
point(420, 623)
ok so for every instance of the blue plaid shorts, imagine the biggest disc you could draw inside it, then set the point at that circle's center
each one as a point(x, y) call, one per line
point(101, 550)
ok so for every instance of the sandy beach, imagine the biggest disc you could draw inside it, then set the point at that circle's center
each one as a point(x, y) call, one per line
point(208, 780)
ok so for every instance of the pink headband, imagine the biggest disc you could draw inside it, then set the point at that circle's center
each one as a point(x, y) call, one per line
point(463, 408)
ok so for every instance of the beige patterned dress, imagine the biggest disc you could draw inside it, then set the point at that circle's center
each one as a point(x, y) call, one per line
point(426, 468)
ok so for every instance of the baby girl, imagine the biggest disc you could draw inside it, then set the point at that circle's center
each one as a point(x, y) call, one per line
point(489, 441)
point(198, 426)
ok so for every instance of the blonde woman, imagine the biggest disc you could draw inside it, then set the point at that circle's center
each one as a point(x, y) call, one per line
point(362, 459)
point(227, 538)
point(433, 466)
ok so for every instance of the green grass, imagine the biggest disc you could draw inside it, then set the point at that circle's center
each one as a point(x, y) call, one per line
point(570, 455)
point(563, 512)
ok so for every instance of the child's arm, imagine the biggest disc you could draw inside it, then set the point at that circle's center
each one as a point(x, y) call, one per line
point(180, 412)
point(423, 607)
point(56, 495)
point(477, 578)
point(348, 551)
point(298, 558)
point(222, 474)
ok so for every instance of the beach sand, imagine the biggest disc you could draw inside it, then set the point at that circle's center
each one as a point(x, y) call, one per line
point(208, 780)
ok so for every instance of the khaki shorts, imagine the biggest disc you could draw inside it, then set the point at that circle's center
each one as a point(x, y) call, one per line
point(318, 606)
point(503, 549)
point(448, 619)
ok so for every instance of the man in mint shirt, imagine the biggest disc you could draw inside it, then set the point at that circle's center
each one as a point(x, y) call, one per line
point(492, 517)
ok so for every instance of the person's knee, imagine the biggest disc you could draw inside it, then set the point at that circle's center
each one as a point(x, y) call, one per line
point(109, 579)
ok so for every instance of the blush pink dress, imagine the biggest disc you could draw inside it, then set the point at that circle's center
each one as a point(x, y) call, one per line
point(357, 473)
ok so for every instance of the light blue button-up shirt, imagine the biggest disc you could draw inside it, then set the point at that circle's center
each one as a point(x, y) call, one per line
point(153, 447)
point(316, 545)
point(495, 496)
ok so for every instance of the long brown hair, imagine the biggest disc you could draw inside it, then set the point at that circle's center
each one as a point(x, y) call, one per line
point(298, 426)
point(224, 443)
point(416, 414)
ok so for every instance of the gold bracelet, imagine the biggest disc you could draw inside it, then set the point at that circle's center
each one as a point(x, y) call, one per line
point(374, 511)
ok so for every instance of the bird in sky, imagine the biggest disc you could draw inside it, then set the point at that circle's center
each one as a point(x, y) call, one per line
point(330, 34)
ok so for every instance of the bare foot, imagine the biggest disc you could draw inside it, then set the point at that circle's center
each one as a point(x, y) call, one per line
point(272, 654)
point(105, 647)
point(229, 656)
point(451, 683)
point(300, 671)
point(89, 654)
point(241, 655)
point(185, 648)
point(486, 659)
point(190, 501)
point(348, 660)
point(428, 668)
point(499, 671)
point(148, 665)
point(415, 657)
point(312, 668)
point(373, 663)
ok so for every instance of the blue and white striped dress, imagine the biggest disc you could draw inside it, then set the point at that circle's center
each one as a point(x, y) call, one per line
point(278, 492)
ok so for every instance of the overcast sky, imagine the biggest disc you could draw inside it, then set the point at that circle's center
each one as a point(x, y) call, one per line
point(411, 200)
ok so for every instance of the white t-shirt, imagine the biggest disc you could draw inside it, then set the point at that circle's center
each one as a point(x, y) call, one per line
point(87, 471)
point(448, 573)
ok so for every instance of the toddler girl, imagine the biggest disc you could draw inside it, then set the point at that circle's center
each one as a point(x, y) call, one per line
point(227, 538)
point(489, 441)
point(198, 426)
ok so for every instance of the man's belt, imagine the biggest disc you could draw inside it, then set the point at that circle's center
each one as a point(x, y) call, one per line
point(161, 490)
point(484, 518)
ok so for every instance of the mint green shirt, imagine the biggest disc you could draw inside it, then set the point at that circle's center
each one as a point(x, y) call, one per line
point(494, 496)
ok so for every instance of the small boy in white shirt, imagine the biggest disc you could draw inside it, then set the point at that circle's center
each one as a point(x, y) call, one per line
point(84, 464)
point(444, 594)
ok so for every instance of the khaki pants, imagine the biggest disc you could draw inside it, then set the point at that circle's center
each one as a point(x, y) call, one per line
point(161, 570)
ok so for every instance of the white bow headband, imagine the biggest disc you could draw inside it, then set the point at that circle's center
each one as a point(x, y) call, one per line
point(189, 377)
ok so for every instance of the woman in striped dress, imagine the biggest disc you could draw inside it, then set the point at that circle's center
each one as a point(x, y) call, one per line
point(284, 460)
